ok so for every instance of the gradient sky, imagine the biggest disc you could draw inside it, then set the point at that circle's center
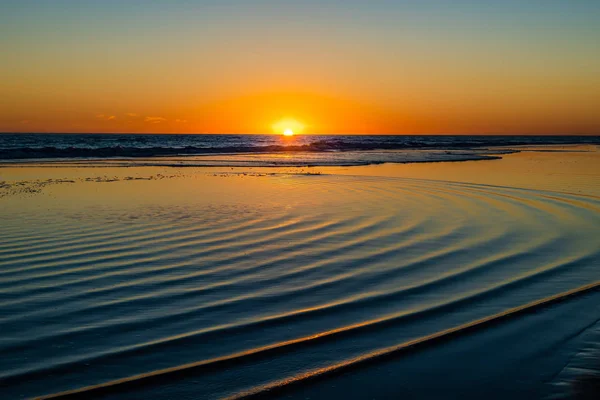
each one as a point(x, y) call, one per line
point(338, 66)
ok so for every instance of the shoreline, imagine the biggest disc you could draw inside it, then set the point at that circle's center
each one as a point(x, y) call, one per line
point(535, 167)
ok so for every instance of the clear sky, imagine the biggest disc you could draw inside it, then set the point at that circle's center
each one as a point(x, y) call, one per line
point(328, 66)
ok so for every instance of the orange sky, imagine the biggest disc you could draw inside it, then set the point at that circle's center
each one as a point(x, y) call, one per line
point(335, 67)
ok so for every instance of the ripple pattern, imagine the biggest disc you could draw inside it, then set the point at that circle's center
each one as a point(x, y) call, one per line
point(311, 272)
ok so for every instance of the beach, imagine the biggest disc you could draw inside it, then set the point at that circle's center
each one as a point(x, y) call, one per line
point(168, 278)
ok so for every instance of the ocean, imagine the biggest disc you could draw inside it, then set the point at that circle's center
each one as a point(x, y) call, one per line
point(306, 149)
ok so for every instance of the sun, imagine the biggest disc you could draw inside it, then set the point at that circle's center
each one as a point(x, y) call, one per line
point(288, 127)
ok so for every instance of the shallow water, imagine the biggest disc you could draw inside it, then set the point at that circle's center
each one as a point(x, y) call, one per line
point(285, 274)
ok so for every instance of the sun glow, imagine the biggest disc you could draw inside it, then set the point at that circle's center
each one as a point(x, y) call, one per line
point(288, 127)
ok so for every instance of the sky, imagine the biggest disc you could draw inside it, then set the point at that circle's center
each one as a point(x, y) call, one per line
point(328, 66)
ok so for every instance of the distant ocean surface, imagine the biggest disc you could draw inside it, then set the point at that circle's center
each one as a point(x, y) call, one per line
point(375, 148)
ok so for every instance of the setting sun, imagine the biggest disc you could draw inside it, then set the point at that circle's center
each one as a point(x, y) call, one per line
point(288, 127)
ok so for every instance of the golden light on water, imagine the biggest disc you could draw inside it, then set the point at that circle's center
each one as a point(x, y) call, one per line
point(288, 127)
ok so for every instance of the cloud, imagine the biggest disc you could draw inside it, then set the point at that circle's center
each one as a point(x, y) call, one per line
point(132, 114)
point(155, 120)
point(106, 117)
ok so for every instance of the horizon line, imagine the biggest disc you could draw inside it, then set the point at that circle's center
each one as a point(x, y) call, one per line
point(299, 134)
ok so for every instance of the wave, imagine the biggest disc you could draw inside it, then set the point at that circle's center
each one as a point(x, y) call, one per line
point(34, 147)
point(53, 153)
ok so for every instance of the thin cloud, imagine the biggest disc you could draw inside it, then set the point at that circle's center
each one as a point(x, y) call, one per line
point(106, 117)
point(155, 120)
point(132, 115)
